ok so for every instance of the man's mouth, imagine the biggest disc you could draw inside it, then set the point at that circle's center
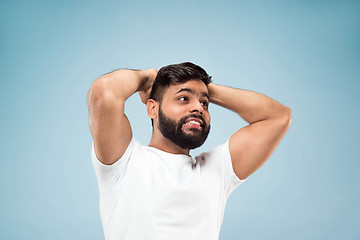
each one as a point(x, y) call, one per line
point(193, 122)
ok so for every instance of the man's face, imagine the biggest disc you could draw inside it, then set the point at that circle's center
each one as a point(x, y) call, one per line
point(183, 114)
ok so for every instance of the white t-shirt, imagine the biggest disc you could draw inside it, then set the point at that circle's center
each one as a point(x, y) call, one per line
point(149, 194)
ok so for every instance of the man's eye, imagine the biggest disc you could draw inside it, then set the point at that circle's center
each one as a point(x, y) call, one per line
point(205, 103)
point(183, 98)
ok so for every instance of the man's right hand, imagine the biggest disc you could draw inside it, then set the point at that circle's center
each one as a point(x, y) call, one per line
point(145, 89)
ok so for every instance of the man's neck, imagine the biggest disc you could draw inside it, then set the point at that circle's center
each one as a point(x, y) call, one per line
point(164, 144)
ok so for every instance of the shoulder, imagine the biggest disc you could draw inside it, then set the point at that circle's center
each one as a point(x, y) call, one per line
point(220, 151)
point(131, 150)
point(215, 156)
point(109, 176)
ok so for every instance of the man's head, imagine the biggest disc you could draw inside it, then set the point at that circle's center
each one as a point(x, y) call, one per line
point(181, 110)
point(176, 74)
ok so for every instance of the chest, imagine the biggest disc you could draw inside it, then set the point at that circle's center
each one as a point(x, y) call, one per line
point(173, 193)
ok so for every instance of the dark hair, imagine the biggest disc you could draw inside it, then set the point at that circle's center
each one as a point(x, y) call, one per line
point(175, 74)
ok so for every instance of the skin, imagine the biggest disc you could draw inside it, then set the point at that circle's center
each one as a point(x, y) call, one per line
point(250, 147)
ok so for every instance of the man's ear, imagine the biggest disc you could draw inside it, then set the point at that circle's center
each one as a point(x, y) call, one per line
point(152, 107)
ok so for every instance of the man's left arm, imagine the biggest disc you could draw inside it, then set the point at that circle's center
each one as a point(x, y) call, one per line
point(251, 146)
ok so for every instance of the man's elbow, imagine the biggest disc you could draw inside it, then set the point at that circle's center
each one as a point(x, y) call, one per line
point(289, 114)
point(100, 91)
point(287, 117)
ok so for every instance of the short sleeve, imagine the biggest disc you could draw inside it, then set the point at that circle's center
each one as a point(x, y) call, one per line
point(231, 180)
point(108, 176)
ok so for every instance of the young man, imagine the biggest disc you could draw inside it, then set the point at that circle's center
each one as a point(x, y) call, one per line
point(159, 191)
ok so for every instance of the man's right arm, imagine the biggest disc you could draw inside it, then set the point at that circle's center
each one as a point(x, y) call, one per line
point(109, 126)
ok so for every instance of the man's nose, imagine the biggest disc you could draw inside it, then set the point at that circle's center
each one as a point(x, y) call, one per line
point(197, 107)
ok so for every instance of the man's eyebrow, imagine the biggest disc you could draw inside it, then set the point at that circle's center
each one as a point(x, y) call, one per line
point(186, 90)
point(192, 92)
point(206, 95)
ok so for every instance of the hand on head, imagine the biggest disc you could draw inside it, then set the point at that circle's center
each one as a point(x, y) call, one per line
point(145, 88)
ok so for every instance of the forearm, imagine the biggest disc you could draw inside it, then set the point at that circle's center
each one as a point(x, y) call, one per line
point(251, 106)
point(119, 84)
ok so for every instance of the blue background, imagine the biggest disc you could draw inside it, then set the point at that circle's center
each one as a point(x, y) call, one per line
point(304, 54)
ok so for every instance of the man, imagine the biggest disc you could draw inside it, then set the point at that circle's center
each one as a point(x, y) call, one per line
point(159, 191)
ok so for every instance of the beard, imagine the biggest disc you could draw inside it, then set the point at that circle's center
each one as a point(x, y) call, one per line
point(173, 131)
